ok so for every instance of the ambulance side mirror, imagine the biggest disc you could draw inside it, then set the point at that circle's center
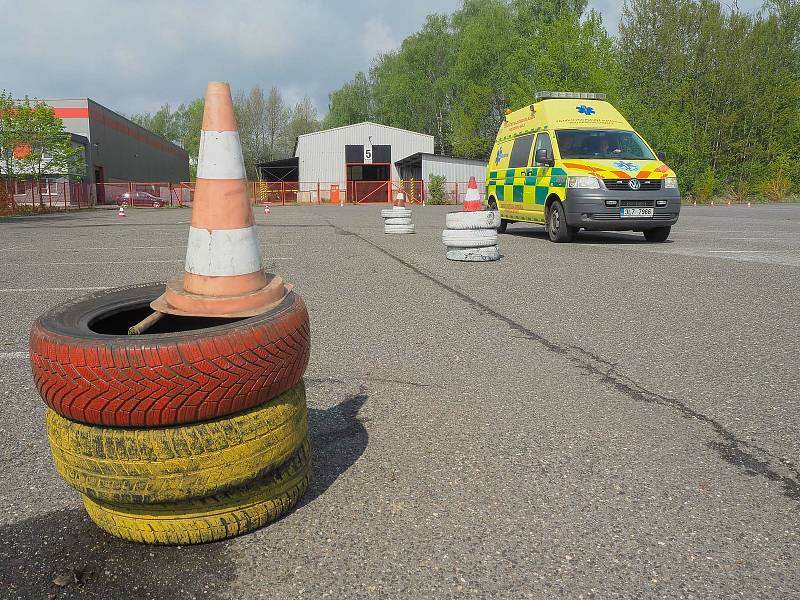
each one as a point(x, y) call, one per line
point(661, 156)
point(544, 157)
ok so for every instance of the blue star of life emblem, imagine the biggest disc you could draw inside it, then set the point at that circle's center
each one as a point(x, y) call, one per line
point(585, 110)
point(626, 166)
point(500, 156)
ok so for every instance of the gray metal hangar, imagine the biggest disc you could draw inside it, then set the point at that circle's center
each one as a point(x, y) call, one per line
point(365, 161)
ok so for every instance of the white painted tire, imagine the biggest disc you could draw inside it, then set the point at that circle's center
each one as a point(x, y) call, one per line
point(469, 238)
point(474, 254)
point(398, 221)
point(398, 229)
point(479, 219)
point(396, 213)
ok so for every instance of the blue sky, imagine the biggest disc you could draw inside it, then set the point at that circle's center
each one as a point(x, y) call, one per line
point(134, 55)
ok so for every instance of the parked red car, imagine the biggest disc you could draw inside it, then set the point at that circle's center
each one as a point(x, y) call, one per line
point(139, 199)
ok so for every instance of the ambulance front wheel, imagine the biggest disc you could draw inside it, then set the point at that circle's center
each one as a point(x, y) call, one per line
point(657, 234)
point(503, 222)
point(557, 228)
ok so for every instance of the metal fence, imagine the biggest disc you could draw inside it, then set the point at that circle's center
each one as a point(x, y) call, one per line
point(27, 197)
point(139, 194)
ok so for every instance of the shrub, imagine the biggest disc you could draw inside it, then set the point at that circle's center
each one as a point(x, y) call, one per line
point(776, 188)
point(704, 185)
point(737, 193)
point(436, 190)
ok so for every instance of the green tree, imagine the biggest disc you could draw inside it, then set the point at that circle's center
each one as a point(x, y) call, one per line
point(35, 143)
point(303, 119)
point(9, 135)
point(412, 87)
point(715, 88)
point(352, 103)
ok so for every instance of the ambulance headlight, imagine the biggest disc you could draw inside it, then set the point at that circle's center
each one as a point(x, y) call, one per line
point(670, 182)
point(589, 182)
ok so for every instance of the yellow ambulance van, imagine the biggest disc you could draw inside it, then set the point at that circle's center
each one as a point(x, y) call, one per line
point(571, 161)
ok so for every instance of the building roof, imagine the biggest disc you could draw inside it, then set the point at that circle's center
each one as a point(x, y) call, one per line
point(361, 124)
point(418, 156)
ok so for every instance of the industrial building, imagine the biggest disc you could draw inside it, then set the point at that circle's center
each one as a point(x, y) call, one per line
point(364, 161)
point(119, 150)
point(421, 166)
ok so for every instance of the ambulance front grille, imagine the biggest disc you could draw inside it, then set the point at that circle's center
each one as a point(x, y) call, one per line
point(637, 203)
point(647, 185)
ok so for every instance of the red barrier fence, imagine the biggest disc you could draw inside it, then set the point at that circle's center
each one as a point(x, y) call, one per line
point(27, 197)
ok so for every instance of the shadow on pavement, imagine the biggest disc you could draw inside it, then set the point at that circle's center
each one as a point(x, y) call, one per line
point(585, 237)
point(67, 546)
point(338, 439)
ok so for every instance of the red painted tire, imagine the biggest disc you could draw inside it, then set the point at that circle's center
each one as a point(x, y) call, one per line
point(89, 370)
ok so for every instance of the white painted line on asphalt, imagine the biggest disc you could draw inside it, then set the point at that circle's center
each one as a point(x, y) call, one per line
point(745, 251)
point(103, 262)
point(53, 289)
point(772, 237)
point(13, 355)
point(90, 249)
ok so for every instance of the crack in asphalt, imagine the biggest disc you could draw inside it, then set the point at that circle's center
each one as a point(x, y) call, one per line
point(356, 378)
point(732, 449)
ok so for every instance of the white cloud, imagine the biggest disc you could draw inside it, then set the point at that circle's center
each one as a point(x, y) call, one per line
point(377, 39)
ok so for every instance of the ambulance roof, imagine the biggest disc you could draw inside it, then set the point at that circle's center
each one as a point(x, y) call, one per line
point(562, 113)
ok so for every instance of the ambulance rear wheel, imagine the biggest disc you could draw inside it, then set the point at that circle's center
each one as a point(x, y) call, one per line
point(557, 228)
point(503, 222)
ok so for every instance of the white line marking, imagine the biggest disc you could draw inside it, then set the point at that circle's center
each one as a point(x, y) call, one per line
point(13, 355)
point(89, 249)
point(54, 289)
point(745, 251)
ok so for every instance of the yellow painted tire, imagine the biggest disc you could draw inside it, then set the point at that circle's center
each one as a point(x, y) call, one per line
point(170, 464)
point(218, 517)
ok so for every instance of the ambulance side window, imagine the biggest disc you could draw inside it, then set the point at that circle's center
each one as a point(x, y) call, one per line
point(521, 152)
point(543, 141)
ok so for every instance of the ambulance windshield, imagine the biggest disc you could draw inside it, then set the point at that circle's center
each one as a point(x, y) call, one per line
point(602, 144)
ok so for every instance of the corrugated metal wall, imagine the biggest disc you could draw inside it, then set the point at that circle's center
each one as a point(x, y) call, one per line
point(454, 169)
point(126, 151)
point(321, 154)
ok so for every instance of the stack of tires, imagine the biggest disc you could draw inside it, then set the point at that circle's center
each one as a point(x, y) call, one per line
point(397, 220)
point(194, 432)
point(471, 236)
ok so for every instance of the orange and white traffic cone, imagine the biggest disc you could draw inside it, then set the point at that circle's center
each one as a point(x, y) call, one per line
point(121, 211)
point(472, 201)
point(223, 275)
point(400, 199)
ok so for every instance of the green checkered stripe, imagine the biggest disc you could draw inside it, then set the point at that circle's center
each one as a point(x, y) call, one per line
point(531, 185)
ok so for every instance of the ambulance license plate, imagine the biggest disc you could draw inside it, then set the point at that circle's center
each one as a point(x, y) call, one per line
point(636, 213)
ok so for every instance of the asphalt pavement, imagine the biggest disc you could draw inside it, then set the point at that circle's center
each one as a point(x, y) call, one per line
point(608, 418)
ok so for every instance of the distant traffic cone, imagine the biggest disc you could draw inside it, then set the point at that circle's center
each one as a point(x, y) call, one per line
point(472, 201)
point(400, 199)
point(223, 275)
point(266, 209)
point(121, 211)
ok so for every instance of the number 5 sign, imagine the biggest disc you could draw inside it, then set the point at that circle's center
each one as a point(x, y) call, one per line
point(368, 154)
